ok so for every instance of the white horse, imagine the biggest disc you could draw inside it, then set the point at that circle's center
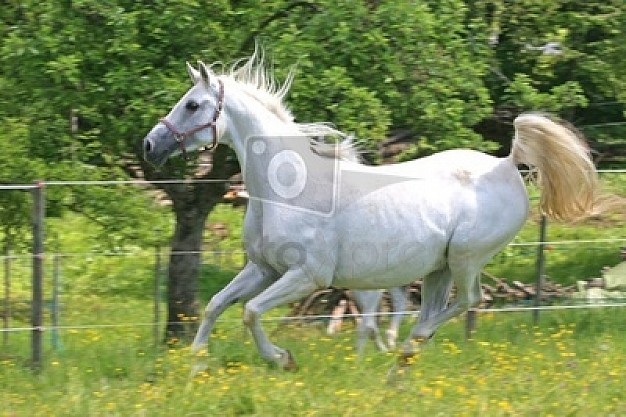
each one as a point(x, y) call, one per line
point(316, 221)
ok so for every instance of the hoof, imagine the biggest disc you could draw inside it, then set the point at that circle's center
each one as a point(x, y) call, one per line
point(290, 364)
point(411, 349)
point(406, 359)
point(198, 368)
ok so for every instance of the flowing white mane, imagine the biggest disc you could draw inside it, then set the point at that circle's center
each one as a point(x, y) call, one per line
point(257, 81)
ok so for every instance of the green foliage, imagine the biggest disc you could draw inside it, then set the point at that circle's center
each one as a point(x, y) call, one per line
point(104, 65)
point(212, 280)
point(223, 254)
point(581, 76)
point(123, 214)
point(419, 61)
point(16, 167)
point(356, 109)
point(522, 93)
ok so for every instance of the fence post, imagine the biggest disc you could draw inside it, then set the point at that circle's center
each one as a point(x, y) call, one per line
point(157, 293)
point(470, 323)
point(38, 254)
point(6, 318)
point(56, 290)
point(540, 267)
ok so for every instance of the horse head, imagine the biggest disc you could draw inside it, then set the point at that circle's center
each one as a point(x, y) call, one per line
point(193, 121)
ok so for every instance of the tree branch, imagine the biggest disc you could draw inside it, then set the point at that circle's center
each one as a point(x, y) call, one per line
point(247, 43)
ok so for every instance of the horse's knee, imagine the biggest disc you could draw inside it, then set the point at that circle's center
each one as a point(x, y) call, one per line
point(210, 308)
point(367, 322)
point(473, 299)
point(250, 314)
point(370, 328)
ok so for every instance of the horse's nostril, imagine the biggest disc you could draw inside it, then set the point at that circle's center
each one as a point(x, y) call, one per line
point(147, 145)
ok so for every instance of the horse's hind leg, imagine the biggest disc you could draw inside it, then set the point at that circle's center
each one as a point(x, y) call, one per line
point(249, 282)
point(434, 311)
point(398, 303)
point(436, 288)
point(292, 286)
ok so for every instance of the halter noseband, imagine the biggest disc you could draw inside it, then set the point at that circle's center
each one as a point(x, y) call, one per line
point(181, 136)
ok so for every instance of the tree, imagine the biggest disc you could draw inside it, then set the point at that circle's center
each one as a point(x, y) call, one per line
point(417, 61)
point(15, 205)
point(564, 57)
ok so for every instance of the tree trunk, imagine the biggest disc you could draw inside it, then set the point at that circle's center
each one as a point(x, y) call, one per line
point(183, 272)
point(192, 204)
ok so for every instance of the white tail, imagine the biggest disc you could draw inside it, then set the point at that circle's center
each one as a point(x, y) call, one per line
point(565, 171)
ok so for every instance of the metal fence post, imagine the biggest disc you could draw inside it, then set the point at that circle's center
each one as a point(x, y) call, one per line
point(6, 318)
point(56, 291)
point(540, 267)
point(470, 323)
point(157, 293)
point(38, 255)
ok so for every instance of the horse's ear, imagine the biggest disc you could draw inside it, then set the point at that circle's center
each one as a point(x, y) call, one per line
point(205, 73)
point(193, 73)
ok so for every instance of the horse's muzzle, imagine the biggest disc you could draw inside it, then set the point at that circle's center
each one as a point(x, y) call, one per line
point(151, 153)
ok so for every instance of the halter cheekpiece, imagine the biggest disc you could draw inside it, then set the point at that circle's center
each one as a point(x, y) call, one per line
point(181, 136)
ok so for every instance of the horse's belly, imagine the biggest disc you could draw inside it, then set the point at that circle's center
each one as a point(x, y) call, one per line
point(392, 236)
point(370, 264)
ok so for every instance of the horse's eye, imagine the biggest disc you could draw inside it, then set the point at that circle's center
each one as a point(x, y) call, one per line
point(192, 105)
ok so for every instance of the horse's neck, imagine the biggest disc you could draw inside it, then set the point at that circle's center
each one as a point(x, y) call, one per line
point(248, 120)
point(248, 117)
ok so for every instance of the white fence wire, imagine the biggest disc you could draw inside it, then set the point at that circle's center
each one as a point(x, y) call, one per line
point(26, 187)
point(308, 318)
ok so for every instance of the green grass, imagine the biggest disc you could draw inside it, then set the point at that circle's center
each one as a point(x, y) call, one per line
point(572, 364)
point(584, 250)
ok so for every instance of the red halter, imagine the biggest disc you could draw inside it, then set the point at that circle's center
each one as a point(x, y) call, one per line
point(181, 136)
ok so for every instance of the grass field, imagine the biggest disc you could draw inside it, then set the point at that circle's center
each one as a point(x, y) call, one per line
point(572, 364)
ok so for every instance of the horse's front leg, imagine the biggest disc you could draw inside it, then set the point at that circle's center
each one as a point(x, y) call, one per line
point(249, 282)
point(292, 286)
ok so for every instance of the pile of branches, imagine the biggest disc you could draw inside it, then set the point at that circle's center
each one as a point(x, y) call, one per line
point(501, 291)
point(496, 291)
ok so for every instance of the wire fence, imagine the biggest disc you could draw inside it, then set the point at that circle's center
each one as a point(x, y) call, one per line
point(22, 298)
point(283, 319)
